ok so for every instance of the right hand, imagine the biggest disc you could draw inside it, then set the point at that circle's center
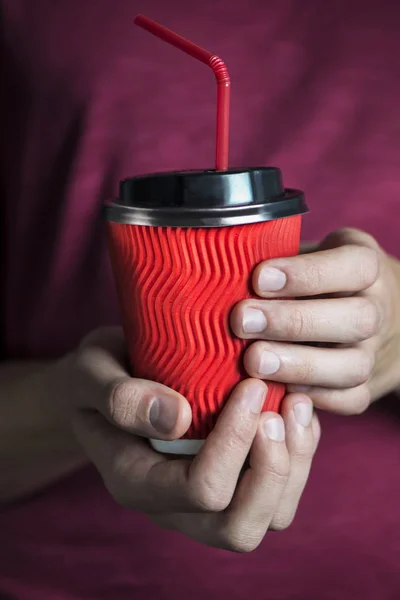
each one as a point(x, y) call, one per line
point(210, 498)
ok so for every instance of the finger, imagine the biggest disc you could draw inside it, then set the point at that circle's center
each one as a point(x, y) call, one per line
point(207, 528)
point(209, 482)
point(257, 497)
point(142, 479)
point(338, 320)
point(308, 365)
point(297, 412)
point(216, 469)
point(102, 383)
point(349, 268)
point(351, 401)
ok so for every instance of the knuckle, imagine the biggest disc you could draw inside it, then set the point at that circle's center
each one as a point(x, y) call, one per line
point(93, 337)
point(209, 497)
point(305, 370)
point(343, 234)
point(240, 542)
point(123, 403)
point(282, 521)
point(297, 325)
point(82, 355)
point(338, 237)
point(364, 367)
point(368, 266)
point(361, 400)
point(278, 471)
point(303, 452)
point(367, 319)
point(101, 335)
point(353, 236)
point(314, 275)
point(240, 436)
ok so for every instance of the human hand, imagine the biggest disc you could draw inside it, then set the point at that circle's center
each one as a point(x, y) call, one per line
point(212, 497)
point(345, 322)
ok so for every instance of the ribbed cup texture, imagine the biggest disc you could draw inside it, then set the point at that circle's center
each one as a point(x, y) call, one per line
point(177, 288)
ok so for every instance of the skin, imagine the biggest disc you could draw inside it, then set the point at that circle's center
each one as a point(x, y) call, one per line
point(345, 323)
point(208, 498)
point(349, 305)
point(250, 474)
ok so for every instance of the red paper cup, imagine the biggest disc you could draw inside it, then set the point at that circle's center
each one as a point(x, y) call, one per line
point(178, 285)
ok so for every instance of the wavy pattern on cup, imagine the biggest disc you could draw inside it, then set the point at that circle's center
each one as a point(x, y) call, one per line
point(177, 288)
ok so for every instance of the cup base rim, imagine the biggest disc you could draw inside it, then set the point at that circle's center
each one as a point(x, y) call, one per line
point(189, 447)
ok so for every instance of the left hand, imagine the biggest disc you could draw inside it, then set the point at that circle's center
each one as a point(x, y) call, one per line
point(345, 322)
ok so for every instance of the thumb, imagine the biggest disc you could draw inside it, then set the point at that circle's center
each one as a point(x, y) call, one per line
point(100, 382)
point(146, 408)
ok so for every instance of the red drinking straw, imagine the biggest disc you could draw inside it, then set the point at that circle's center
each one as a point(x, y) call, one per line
point(221, 75)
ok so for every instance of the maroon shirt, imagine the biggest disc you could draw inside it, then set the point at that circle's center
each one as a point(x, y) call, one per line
point(88, 100)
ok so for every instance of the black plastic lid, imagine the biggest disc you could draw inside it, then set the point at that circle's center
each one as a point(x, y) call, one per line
point(205, 198)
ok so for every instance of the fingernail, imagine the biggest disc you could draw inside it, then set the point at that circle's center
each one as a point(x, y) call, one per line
point(269, 363)
point(255, 397)
point(254, 321)
point(271, 279)
point(164, 413)
point(275, 429)
point(303, 413)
